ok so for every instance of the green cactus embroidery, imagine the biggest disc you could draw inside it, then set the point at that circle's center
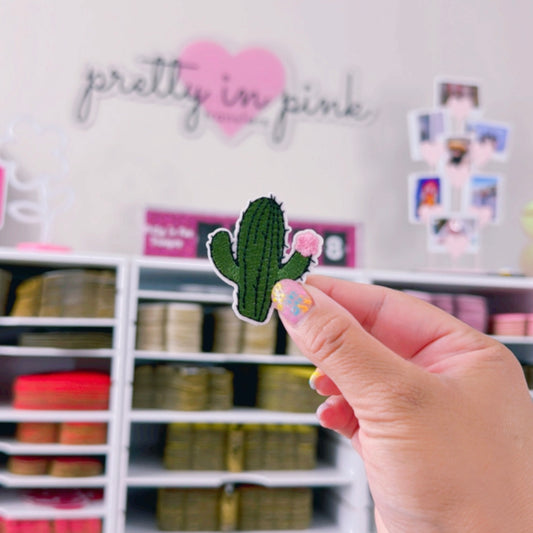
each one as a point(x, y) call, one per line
point(253, 260)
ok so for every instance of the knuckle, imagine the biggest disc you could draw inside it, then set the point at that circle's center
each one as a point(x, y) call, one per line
point(500, 356)
point(502, 361)
point(409, 395)
point(403, 395)
point(330, 337)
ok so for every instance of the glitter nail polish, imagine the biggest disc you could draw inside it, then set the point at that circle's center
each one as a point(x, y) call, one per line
point(291, 300)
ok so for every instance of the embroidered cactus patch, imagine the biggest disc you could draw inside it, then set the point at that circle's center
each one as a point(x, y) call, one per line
point(257, 256)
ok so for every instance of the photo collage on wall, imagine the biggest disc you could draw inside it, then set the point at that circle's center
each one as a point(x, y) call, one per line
point(456, 196)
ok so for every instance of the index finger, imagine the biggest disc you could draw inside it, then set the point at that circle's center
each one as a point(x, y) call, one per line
point(402, 322)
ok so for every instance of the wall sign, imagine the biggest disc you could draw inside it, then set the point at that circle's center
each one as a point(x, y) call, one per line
point(181, 234)
point(236, 93)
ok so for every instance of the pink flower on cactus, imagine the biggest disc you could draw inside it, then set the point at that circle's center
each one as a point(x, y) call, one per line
point(308, 243)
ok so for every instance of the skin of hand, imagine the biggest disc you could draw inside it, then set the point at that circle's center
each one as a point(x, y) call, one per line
point(439, 412)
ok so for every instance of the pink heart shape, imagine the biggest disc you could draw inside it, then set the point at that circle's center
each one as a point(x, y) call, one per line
point(484, 214)
point(431, 152)
point(426, 212)
point(457, 174)
point(237, 87)
point(456, 245)
point(481, 152)
point(459, 106)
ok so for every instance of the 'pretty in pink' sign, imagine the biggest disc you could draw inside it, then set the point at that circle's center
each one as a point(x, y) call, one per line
point(238, 92)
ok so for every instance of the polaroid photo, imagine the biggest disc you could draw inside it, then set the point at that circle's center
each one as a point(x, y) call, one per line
point(482, 198)
point(457, 160)
point(428, 196)
point(460, 96)
point(427, 130)
point(490, 140)
point(457, 151)
point(453, 234)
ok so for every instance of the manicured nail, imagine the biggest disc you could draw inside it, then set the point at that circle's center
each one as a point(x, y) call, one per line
point(291, 300)
point(314, 377)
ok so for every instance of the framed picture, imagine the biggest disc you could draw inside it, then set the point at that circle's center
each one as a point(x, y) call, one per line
point(460, 97)
point(454, 234)
point(482, 197)
point(490, 140)
point(427, 129)
point(428, 196)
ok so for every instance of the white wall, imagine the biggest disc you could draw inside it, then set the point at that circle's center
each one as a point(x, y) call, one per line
point(134, 154)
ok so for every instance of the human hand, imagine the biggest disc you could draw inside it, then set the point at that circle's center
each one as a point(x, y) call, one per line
point(440, 413)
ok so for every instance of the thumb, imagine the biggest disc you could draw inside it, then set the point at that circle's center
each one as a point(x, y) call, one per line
point(363, 369)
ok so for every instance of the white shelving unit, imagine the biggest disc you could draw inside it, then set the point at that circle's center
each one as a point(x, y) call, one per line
point(19, 360)
point(161, 280)
point(344, 504)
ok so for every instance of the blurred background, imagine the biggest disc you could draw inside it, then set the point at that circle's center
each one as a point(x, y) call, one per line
point(133, 151)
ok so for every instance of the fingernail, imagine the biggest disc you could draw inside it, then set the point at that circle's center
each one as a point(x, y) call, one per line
point(321, 408)
point(314, 377)
point(291, 300)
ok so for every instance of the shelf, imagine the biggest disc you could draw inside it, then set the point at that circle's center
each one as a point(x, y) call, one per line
point(14, 447)
point(238, 415)
point(464, 280)
point(57, 322)
point(27, 351)
point(55, 482)
point(158, 267)
point(186, 296)
point(15, 506)
point(513, 339)
point(10, 414)
point(60, 259)
point(138, 522)
point(209, 357)
point(160, 264)
point(151, 473)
